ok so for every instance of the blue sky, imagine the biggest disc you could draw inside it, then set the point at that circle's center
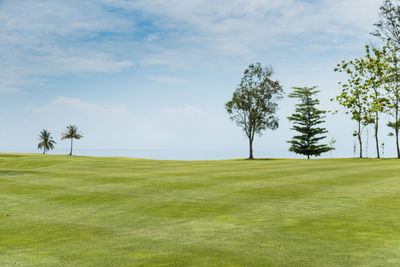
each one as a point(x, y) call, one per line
point(155, 74)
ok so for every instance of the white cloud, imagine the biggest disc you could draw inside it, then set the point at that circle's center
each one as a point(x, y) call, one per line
point(81, 107)
point(241, 26)
point(152, 37)
point(55, 37)
point(45, 38)
point(94, 63)
point(46, 21)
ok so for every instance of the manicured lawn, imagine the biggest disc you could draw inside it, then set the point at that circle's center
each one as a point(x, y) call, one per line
point(61, 210)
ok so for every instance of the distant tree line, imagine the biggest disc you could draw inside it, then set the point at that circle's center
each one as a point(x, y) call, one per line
point(47, 143)
point(371, 90)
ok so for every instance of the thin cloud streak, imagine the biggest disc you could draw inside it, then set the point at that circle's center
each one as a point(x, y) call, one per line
point(59, 37)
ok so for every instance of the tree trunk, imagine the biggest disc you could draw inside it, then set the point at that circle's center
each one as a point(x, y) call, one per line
point(397, 132)
point(70, 153)
point(359, 138)
point(308, 156)
point(251, 148)
point(376, 135)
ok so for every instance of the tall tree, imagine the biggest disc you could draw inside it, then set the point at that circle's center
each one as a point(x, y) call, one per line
point(388, 25)
point(354, 97)
point(388, 29)
point(71, 133)
point(254, 102)
point(374, 69)
point(392, 87)
point(46, 142)
point(306, 120)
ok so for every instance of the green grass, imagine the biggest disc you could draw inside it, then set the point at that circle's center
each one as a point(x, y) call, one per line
point(61, 210)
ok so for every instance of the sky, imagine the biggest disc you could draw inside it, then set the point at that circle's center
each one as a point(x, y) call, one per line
point(153, 74)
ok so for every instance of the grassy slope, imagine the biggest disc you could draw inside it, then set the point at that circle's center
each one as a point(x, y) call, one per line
point(60, 210)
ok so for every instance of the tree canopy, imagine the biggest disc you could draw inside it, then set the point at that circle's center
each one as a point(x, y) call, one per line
point(254, 103)
point(46, 142)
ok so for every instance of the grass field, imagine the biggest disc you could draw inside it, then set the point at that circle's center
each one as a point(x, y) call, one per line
point(61, 210)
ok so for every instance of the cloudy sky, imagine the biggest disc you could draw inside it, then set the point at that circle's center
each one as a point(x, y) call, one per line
point(155, 74)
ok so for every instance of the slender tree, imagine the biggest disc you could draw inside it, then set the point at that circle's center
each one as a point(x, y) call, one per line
point(46, 142)
point(392, 87)
point(374, 69)
point(388, 30)
point(71, 133)
point(354, 97)
point(305, 121)
point(254, 102)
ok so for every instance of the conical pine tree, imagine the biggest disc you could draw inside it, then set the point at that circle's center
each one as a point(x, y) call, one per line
point(305, 121)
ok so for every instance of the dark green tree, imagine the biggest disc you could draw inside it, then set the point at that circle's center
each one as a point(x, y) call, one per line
point(46, 142)
point(254, 102)
point(306, 121)
point(71, 133)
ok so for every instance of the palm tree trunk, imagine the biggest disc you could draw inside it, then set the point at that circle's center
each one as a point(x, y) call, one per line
point(70, 153)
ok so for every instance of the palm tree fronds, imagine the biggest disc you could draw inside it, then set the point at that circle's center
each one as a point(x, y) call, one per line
point(71, 133)
point(46, 141)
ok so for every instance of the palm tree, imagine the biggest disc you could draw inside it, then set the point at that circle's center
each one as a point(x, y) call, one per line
point(46, 141)
point(71, 133)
